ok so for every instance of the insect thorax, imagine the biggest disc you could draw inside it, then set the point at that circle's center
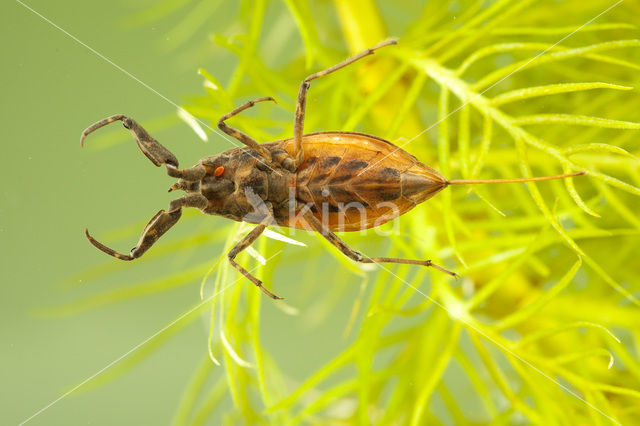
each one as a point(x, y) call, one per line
point(240, 185)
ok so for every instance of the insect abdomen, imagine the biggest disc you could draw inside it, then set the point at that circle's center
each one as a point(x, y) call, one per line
point(355, 181)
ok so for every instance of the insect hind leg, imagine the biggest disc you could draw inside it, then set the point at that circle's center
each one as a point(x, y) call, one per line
point(358, 257)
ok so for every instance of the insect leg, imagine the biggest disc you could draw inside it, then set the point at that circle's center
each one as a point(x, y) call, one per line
point(156, 228)
point(358, 257)
point(243, 137)
point(150, 147)
point(193, 199)
point(243, 244)
point(298, 127)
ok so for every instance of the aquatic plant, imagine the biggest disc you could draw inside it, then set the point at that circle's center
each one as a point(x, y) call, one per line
point(543, 325)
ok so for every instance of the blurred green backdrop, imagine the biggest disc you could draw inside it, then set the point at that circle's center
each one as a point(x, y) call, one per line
point(52, 87)
point(67, 311)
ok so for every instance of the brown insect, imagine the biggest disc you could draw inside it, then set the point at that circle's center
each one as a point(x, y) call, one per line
point(323, 182)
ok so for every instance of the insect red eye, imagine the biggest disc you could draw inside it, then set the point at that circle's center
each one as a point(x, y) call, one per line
point(219, 171)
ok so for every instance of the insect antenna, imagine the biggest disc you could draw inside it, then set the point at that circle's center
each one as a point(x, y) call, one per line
point(515, 180)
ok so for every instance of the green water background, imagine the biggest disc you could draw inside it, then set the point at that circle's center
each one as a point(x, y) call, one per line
point(52, 88)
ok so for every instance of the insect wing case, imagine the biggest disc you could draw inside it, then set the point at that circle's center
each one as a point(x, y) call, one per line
point(353, 181)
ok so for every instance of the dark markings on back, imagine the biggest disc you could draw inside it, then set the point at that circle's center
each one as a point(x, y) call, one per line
point(331, 161)
point(390, 173)
point(308, 162)
point(388, 195)
point(324, 168)
point(353, 166)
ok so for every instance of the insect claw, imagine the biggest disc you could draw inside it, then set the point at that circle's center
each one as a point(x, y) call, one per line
point(106, 249)
point(440, 268)
point(452, 274)
point(99, 124)
point(266, 98)
point(273, 296)
point(267, 292)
